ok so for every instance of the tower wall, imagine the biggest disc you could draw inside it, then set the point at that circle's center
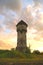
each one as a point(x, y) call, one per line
point(21, 37)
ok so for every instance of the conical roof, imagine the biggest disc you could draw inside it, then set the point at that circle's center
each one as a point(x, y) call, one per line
point(22, 22)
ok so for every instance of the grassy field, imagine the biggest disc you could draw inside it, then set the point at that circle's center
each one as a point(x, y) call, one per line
point(32, 59)
point(17, 58)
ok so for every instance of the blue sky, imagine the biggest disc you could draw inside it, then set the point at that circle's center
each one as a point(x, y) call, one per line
point(1, 17)
point(26, 2)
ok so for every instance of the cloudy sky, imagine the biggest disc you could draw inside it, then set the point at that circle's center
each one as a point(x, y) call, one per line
point(11, 12)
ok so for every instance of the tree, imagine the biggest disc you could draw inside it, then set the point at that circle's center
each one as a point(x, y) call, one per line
point(12, 49)
point(36, 52)
point(28, 50)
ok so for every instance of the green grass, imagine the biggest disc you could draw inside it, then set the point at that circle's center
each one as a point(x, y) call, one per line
point(16, 56)
point(34, 58)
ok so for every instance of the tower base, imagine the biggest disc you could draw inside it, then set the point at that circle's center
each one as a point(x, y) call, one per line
point(21, 49)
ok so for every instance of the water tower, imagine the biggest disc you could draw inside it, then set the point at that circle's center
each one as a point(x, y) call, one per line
point(21, 36)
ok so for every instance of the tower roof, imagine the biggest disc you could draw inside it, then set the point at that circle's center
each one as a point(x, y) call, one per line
point(22, 22)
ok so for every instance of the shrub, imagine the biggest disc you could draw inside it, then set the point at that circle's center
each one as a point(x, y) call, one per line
point(36, 52)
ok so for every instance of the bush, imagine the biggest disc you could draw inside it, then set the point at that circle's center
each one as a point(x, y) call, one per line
point(28, 51)
point(36, 52)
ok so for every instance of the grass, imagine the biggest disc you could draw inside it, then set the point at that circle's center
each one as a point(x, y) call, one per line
point(15, 56)
point(35, 58)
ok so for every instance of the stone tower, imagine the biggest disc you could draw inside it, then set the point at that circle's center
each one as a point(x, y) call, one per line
point(21, 36)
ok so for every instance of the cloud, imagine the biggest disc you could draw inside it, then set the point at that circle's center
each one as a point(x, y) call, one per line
point(10, 23)
point(26, 15)
point(1, 28)
point(38, 26)
point(33, 15)
point(7, 9)
point(4, 45)
point(38, 4)
point(38, 1)
point(39, 36)
point(8, 20)
point(11, 4)
point(38, 21)
point(7, 40)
